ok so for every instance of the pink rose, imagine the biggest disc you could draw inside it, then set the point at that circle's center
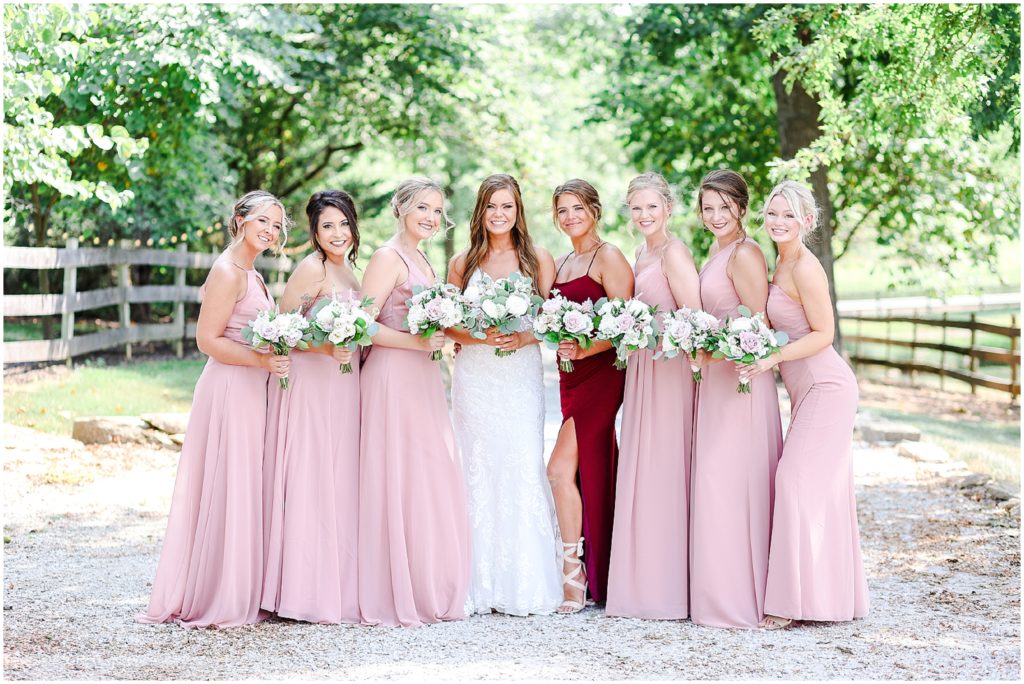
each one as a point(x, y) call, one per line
point(750, 343)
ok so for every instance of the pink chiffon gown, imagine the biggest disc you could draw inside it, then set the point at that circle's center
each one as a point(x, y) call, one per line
point(413, 552)
point(311, 481)
point(210, 572)
point(647, 577)
point(814, 569)
point(737, 441)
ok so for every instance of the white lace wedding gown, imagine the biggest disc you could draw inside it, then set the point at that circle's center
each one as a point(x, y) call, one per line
point(498, 415)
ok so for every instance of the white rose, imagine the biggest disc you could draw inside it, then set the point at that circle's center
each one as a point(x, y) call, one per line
point(741, 325)
point(492, 309)
point(517, 305)
point(472, 295)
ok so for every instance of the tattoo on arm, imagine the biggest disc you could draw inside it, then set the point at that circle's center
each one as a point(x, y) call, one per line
point(307, 301)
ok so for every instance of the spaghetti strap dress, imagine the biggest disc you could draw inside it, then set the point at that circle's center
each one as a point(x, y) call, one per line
point(648, 573)
point(210, 572)
point(737, 442)
point(815, 570)
point(311, 480)
point(413, 550)
point(591, 396)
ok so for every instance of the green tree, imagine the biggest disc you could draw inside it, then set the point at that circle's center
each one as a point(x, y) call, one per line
point(892, 113)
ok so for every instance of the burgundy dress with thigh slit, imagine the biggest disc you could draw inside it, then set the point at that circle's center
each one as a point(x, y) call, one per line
point(591, 396)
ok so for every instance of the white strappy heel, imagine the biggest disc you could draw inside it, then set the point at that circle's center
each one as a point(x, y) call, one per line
point(571, 553)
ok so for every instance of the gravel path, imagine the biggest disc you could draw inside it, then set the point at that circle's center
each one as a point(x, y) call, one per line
point(85, 525)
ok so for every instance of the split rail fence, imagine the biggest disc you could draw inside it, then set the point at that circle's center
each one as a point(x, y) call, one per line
point(963, 360)
point(71, 301)
point(931, 331)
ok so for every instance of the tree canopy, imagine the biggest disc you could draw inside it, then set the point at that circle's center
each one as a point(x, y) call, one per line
point(145, 121)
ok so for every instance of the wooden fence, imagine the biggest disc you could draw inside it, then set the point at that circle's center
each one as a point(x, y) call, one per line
point(123, 295)
point(965, 365)
point(965, 361)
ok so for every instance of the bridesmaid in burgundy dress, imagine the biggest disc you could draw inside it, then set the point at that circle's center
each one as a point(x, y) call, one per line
point(582, 465)
point(814, 567)
point(738, 437)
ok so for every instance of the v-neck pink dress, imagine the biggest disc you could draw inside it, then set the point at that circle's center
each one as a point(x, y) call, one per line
point(648, 573)
point(737, 442)
point(815, 570)
point(311, 480)
point(413, 551)
point(211, 567)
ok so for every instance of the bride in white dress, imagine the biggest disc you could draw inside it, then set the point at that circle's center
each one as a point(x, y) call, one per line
point(498, 415)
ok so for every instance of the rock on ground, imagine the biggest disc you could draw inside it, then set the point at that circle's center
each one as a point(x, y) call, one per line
point(85, 526)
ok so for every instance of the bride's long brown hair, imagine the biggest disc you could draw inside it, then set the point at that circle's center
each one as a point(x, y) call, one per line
point(529, 265)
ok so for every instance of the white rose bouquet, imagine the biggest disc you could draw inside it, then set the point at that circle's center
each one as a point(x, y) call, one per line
point(689, 331)
point(560, 319)
point(503, 304)
point(629, 324)
point(282, 332)
point(746, 339)
point(343, 323)
point(434, 308)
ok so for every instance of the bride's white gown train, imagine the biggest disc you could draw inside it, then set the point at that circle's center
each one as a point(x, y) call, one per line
point(498, 415)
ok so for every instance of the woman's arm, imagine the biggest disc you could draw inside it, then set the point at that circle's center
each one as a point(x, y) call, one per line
point(384, 273)
point(749, 274)
point(812, 288)
point(225, 285)
point(681, 272)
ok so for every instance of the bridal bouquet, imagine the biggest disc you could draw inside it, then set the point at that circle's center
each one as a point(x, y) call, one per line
point(628, 324)
point(282, 332)
point(560, 319)
point(747, 339)
point(501, 304)
point(689, 331)
point(342, 323)
point(434, 308)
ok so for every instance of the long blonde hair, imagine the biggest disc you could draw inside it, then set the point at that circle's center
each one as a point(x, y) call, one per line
point(479, 244)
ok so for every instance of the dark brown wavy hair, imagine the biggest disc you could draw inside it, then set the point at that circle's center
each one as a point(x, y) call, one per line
point(529, 265)
point(343, 202)
point(730, 184)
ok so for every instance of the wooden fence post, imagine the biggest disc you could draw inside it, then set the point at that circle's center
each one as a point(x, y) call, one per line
point(67, 311)
point(942, 358)
point(1014, 370)
point(913, 347)
point(124, 281)
point(973, 360)
point(179, 305)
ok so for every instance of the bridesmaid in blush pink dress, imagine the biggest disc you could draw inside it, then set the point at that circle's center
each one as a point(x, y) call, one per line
point(738, 437)
point(311, 470)
point(211, 567)
point(814, 569)
point(413, 551)
point(648, 573)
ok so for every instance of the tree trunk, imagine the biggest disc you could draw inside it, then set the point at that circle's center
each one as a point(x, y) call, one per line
point(797, 114)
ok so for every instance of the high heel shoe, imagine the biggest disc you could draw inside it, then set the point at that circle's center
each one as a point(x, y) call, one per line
point(571, 553)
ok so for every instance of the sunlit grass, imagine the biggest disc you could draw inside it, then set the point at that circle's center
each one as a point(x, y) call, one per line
point(50, 405)
point(985, 446)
